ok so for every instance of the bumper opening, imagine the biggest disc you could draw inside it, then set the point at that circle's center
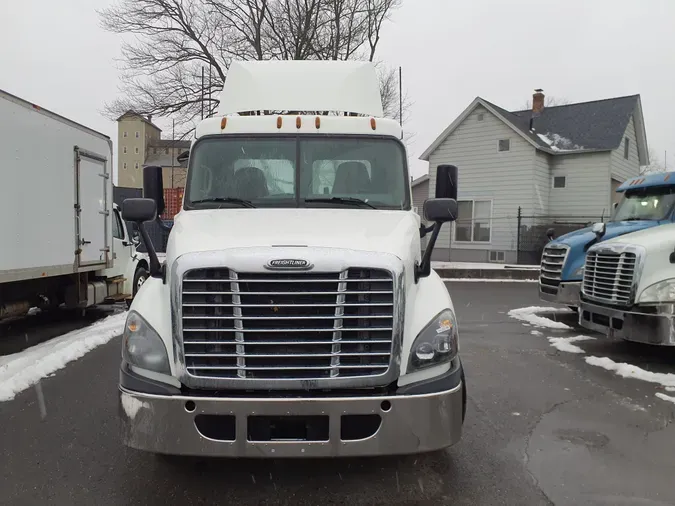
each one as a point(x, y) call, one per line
point(288, 428)
point(355, 427)
point(217, 427)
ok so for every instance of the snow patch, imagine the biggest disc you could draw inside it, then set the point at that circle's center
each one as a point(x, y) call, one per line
point(665, 397)
point(630, 371)
point(565, 343)
point(558, 142)
point(24, 369)
point(536, 333)
point(529, 315)
point(132, 406)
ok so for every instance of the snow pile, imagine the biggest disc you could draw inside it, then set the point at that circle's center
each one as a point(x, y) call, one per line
point(565, 343)
point(558, 142)
point(665, 397)
point(630, 371)
point(26, 368)
point(529, 315)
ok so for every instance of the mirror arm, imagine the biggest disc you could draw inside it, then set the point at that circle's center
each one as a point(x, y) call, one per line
point(155, 266)
point(423, 270)
point(425, 230)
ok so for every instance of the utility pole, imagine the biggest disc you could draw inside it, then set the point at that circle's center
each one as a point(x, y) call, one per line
point(210, 67)
point(202, 100)
point(173, 144)
point(400, 98)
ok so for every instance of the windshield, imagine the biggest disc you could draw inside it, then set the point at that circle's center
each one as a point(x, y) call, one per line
point(297, 172)
point(646, 204)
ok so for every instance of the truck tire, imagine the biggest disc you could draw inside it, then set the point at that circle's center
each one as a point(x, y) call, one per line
point(140, 277)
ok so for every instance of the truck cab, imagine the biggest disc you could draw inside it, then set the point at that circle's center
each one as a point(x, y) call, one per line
point(648, 201)
point(628, 289)
point(294, 315)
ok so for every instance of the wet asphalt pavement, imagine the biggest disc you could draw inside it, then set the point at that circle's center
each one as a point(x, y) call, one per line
point(542, 427)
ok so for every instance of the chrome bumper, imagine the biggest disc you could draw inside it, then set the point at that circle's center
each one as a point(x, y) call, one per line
point(409, 424)
point(567, 294)
point(648, 328)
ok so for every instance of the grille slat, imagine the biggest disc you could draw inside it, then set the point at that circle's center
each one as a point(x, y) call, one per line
point(552, 264)
point(609, 276)
point(287, 325)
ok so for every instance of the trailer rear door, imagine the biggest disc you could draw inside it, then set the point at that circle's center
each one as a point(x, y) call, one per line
point(91, 214)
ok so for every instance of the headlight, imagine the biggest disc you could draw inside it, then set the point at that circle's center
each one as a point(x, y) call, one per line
point(579, 272)
point(663, 291)
point(142, 346)
point(438, 342)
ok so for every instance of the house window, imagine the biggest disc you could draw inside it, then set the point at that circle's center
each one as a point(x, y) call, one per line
point(136, 165)
point(125, 165)
point(480, 116)
point(124, 149)
point(124, 134)
point(473, 221)
point(138, 135)
point(136, 150)
point(559, 182)
point(497, 256)
point(626, 147)
point(504, 145)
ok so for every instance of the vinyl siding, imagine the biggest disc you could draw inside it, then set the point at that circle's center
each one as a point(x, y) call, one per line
point(486, 173)
point(587, 190)
point(542, 183)
point(623, 168)
point(420, 193)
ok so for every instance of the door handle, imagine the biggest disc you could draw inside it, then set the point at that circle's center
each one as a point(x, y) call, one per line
point(83, 242)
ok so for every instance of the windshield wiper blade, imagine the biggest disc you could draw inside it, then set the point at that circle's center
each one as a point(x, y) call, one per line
point(343, 200)
point(226, 200)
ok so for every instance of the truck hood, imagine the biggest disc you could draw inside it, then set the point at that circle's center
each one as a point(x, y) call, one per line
point(578, 239)
point(395, 232)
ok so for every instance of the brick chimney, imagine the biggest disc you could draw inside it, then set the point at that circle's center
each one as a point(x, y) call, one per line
point(538, 101)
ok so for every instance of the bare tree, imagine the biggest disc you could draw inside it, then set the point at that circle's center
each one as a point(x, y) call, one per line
point(176, 40)
point(655, 164)
point(549, 101)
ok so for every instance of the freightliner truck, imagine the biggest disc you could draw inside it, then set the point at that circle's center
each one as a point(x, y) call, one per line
point(628, 290)
point(648, 201)
point(63, 239)
point(295, 314)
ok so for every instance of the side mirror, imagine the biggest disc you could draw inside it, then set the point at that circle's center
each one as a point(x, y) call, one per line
point(599, 229)
point(440, 210)
point(183, 157)
point(153, 186)
point(550, 233)
point(447, 177)
point(139, 211)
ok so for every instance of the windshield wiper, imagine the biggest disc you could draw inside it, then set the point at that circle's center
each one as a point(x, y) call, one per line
point(226, 200)
point(343, 200)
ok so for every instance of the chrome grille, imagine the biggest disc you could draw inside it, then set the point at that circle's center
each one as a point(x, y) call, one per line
point(609, 276)
point(552, 263)
point(287, 325)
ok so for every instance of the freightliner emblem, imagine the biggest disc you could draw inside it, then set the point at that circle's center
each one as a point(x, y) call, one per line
point(289, 263)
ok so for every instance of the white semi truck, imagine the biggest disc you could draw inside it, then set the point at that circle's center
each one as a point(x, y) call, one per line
point(628, 289)
point(294, 314)
point(63, 240)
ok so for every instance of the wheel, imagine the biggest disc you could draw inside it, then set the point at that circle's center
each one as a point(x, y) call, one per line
point(139, 278)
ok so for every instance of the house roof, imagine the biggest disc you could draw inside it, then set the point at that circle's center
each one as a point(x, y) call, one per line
point(168, 143)
point(420, 180)
point(587, 126)
point(134, 114)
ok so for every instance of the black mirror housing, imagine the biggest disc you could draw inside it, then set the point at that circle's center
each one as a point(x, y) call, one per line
point(447, 178)
point(550, 233)
point(139, 210)
point(440, 210)
point(153, 186)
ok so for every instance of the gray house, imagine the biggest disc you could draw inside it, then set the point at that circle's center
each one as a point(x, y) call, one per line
point(560, 165)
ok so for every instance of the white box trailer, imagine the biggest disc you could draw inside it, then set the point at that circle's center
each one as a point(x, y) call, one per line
point(56, 207)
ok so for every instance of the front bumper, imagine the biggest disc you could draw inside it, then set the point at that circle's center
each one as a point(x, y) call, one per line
point(649, 328)
point(566, 293)
point(306, 427)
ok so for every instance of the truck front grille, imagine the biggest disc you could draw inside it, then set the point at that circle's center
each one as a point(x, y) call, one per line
point(609, 276)
point(552, 263)
point(287, 325)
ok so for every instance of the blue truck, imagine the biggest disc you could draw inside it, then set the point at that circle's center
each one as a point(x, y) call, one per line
point(648, 201)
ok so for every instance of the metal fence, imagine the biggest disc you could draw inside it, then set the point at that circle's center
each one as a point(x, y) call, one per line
point(157, 234)
point(532, 230)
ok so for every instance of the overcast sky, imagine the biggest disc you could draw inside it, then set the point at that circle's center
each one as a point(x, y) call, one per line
point(55, 54)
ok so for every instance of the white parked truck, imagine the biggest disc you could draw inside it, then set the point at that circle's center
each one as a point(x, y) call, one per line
point(63, 240)
point(294, 314)
point(628, 289)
